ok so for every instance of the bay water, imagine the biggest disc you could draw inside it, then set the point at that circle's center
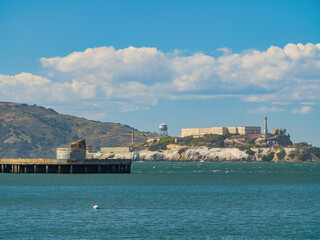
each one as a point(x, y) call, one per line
point(166, 200)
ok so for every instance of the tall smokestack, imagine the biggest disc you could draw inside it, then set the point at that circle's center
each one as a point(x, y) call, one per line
point(265, 131)
point(132, 137)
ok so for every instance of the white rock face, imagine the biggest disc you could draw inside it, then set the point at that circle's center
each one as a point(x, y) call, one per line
point(216, 154)
point(185, 154)
point(195, 154)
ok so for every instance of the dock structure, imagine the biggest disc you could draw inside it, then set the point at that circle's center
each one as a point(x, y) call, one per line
point(65, 166)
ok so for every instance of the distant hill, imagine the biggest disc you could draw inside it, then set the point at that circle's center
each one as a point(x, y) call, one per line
point(33, 131)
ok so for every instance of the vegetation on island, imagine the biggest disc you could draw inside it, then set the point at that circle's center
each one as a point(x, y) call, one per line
point(250, 152)
point(315, 151)
point(267, 152)
point(209, 140)
point(161, 144)
point(268, 158)
point(281, 154)
point(247, 147)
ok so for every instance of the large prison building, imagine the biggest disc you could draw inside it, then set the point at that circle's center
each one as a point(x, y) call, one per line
point(199, 132)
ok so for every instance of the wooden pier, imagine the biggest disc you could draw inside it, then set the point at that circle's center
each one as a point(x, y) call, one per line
point(65, 166)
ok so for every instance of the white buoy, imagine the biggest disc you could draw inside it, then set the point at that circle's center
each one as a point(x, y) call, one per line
point(95, 207)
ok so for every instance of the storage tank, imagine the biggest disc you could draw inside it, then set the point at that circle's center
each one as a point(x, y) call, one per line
point(163, 129)
point(76, 152)
point(71, 154)
point(64, 153)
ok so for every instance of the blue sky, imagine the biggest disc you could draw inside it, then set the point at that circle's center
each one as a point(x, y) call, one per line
point(185, 63)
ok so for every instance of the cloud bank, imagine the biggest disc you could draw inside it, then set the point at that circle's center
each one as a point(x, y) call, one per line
point(302, 110)
point(265, 109)
point(136, 78)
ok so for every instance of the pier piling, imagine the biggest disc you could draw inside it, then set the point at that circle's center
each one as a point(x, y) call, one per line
point(53, 166)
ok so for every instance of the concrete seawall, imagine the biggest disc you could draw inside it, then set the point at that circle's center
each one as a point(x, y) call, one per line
point(65, 166)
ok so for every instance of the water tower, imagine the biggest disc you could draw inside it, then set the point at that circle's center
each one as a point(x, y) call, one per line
point(163, 129)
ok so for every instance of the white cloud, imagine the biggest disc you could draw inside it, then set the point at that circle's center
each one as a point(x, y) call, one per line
point(29, 88)
point(136, 78)
point(302, 110)
point(283, 103)
point(308, 103)
point(291, 73)
point(265, 109)
point(84, 90)
point(107, 64)
point(24, 86)
point(225, 50)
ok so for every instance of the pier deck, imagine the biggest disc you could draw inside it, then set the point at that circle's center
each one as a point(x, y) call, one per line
point(65, 166)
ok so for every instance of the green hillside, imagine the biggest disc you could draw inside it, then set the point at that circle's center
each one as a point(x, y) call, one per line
point(33, 131)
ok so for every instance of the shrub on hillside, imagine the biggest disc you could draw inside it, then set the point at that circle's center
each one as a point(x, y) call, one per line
point(250, 152)
point(182, 150)
point(246, 147)
point(252, 140)
point(305, 156)
point(191, 141)
point(315, 151)
point(162, 144)
point(210, 140)
point(292, 155)
point(281, 154)
point(154, 147)
point(268, 157)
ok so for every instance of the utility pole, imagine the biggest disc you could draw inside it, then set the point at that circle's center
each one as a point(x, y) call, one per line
point(44, 150)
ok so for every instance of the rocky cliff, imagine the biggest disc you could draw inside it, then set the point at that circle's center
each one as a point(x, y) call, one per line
point(218, 154)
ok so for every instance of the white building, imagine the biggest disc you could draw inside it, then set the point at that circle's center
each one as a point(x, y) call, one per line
point(199, 132)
